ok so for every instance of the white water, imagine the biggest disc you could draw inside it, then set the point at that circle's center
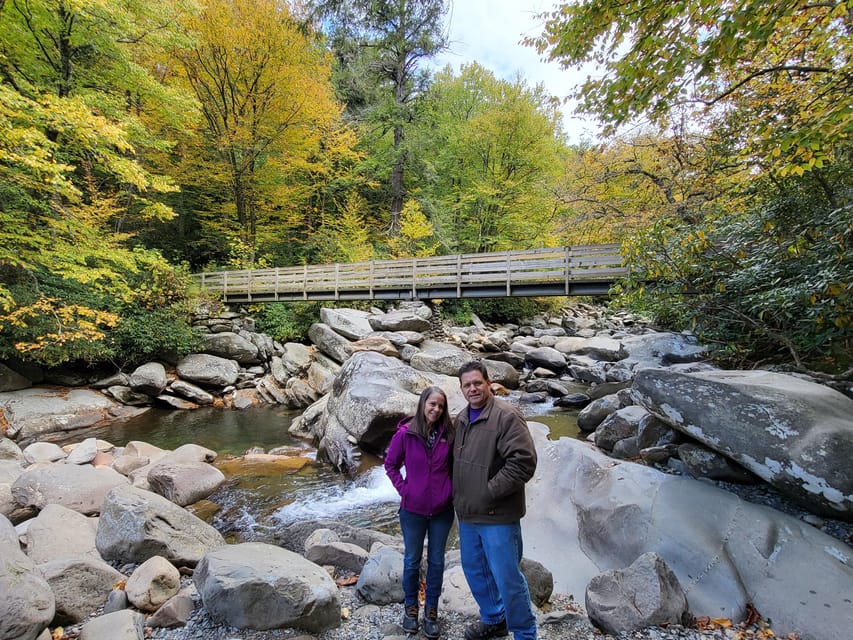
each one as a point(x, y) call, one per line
point(369, 489)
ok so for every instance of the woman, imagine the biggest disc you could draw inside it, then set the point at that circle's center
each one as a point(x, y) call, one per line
point(423, 445)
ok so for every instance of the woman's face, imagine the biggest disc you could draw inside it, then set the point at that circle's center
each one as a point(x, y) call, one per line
point(434, 408)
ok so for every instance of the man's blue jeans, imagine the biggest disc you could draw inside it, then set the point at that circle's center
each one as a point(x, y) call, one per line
point(415, 528)
point(491, 554)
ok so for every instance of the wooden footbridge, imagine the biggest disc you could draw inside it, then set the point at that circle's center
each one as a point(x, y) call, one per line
point(564, 271)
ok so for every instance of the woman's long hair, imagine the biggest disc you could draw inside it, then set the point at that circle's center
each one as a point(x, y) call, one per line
point(418, 424)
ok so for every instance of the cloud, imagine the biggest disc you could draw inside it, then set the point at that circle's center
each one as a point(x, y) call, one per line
point(490, 32)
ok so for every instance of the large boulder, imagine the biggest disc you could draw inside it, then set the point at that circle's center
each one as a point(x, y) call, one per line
point(32, 413)
point(136, 525)
point(646, 594)
point(587, 514)
point(59, 533)
point(350, 323)
point(118, 625)
point(79, 585)
point(153, 583)
point(438, 357)
point(231, 346)
point(149, 378)
point(184, 482)
point(330, 342)
point(381, 578)
point(369, 397)
point(795, 434)
point(208, 369)
point(12, 380)
point(27, 604)
point(78, 487)
point(546, 357)
point(261, 586)
point(10, 470)
point(402, 320)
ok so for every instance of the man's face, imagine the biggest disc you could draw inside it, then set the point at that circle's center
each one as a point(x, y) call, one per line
point(475, 388)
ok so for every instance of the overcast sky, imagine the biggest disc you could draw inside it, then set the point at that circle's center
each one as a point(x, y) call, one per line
point(490, 32)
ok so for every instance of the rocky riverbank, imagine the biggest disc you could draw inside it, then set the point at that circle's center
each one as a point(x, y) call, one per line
point(644, 396)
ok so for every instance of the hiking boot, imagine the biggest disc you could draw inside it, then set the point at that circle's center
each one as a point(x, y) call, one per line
point(410, 619)
point(431, 623)
point(482, 631)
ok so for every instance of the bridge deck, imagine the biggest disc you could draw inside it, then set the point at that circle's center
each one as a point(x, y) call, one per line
point(563, 271)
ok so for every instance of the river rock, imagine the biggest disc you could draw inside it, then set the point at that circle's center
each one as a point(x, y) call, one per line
point(136, 525)
point(80, 488)
point(191, 392)
point(149, 378)
point(175, 612)
point(587, 513)
point(596, 411)
point(79, 585)
point(377, 344)
point(119, 625)
point(501, 373)
point(350, 323)
point(184, 482)
point(646, 594)
point(703, 462)
point(297, 357)
point(83, 452)
point(369, 397)
point(36, 412)
point(657, 349)
point(152, 583)
point(513, 359)
point(321, 375)
point(208, 369)
point(438, 357)
point(622, 423)
point(546, 357)
point(380, 581)
point(27, 604)
point(260, 586)
point(128, 396)
point(324, 547)
point(230, 346)
point(174, 402)
point(12, 380)
point(9, 450)
point(328, 341)
point(399, 321)
point(10, 470)
point(43, 452)
point(794, 434)
point(59, 533)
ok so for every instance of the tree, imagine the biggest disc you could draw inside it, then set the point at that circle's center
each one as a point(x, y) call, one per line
point(387, 39)
point(789, 62)
point(267, 102)
point(490, 153)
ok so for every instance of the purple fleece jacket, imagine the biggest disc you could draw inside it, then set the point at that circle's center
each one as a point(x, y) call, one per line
point(426, 490)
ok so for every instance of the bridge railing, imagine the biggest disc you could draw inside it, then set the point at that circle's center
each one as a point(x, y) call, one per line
point(558, 271)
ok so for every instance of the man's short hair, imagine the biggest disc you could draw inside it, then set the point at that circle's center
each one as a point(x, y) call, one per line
point(474, 365)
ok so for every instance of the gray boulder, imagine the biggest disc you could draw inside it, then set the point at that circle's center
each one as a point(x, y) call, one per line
point(703, 462)
point(596, 411)
point(438, 357)
point(324, 547)
point(622, 423)
point(646, 594)
point(36, 412)
point(502, 373)
point(191, 392)
point(27, 604)
point(83, 452)
point(175, 612)
point(208, 369)
point(119, 625)
point(43, 452)
point(10, 470)
point(12, 380)
point(152, 583)
point(657, 349)
point(78, 487)
point(149, 378)
point(399, 321)
point(587, 513)
point(261, 586)
point(350, 323)
point(330, 342)
point(79, 585)
point(9, 450)
point(546, 357)
point(381, 579)
point(136, 525)
point(231, 346)
point(184, 482)
point(794, 434)
point(59, 533)
point(128, 396)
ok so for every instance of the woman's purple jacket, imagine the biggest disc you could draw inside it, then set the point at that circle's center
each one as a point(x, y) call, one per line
point(426, 490)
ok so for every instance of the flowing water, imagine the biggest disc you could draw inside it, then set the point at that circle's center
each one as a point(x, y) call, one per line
point(254, 506)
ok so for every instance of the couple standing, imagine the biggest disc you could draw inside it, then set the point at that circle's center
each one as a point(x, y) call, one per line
point(492, 457)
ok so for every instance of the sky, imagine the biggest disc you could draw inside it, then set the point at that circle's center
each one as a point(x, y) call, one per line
point(490, 32)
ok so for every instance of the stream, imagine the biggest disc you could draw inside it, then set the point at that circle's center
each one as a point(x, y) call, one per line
point(253, 507)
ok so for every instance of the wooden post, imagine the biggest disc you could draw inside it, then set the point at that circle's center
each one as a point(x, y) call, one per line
point(414, 278)
point(508, 275)
point(337, 278)
point(458, 275)
point(304, 281)
point(566, 266)
point(372, 267)
point(225, 286)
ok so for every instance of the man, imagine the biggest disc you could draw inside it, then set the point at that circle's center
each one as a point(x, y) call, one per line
point(493, 458)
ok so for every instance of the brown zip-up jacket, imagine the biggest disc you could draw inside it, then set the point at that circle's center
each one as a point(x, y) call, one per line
point(493, 458)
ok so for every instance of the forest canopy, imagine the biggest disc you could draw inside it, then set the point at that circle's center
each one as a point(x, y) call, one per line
point(144, 141)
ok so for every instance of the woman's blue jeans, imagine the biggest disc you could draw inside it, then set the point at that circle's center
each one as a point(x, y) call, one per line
point(491, 554)
point(415, 528)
